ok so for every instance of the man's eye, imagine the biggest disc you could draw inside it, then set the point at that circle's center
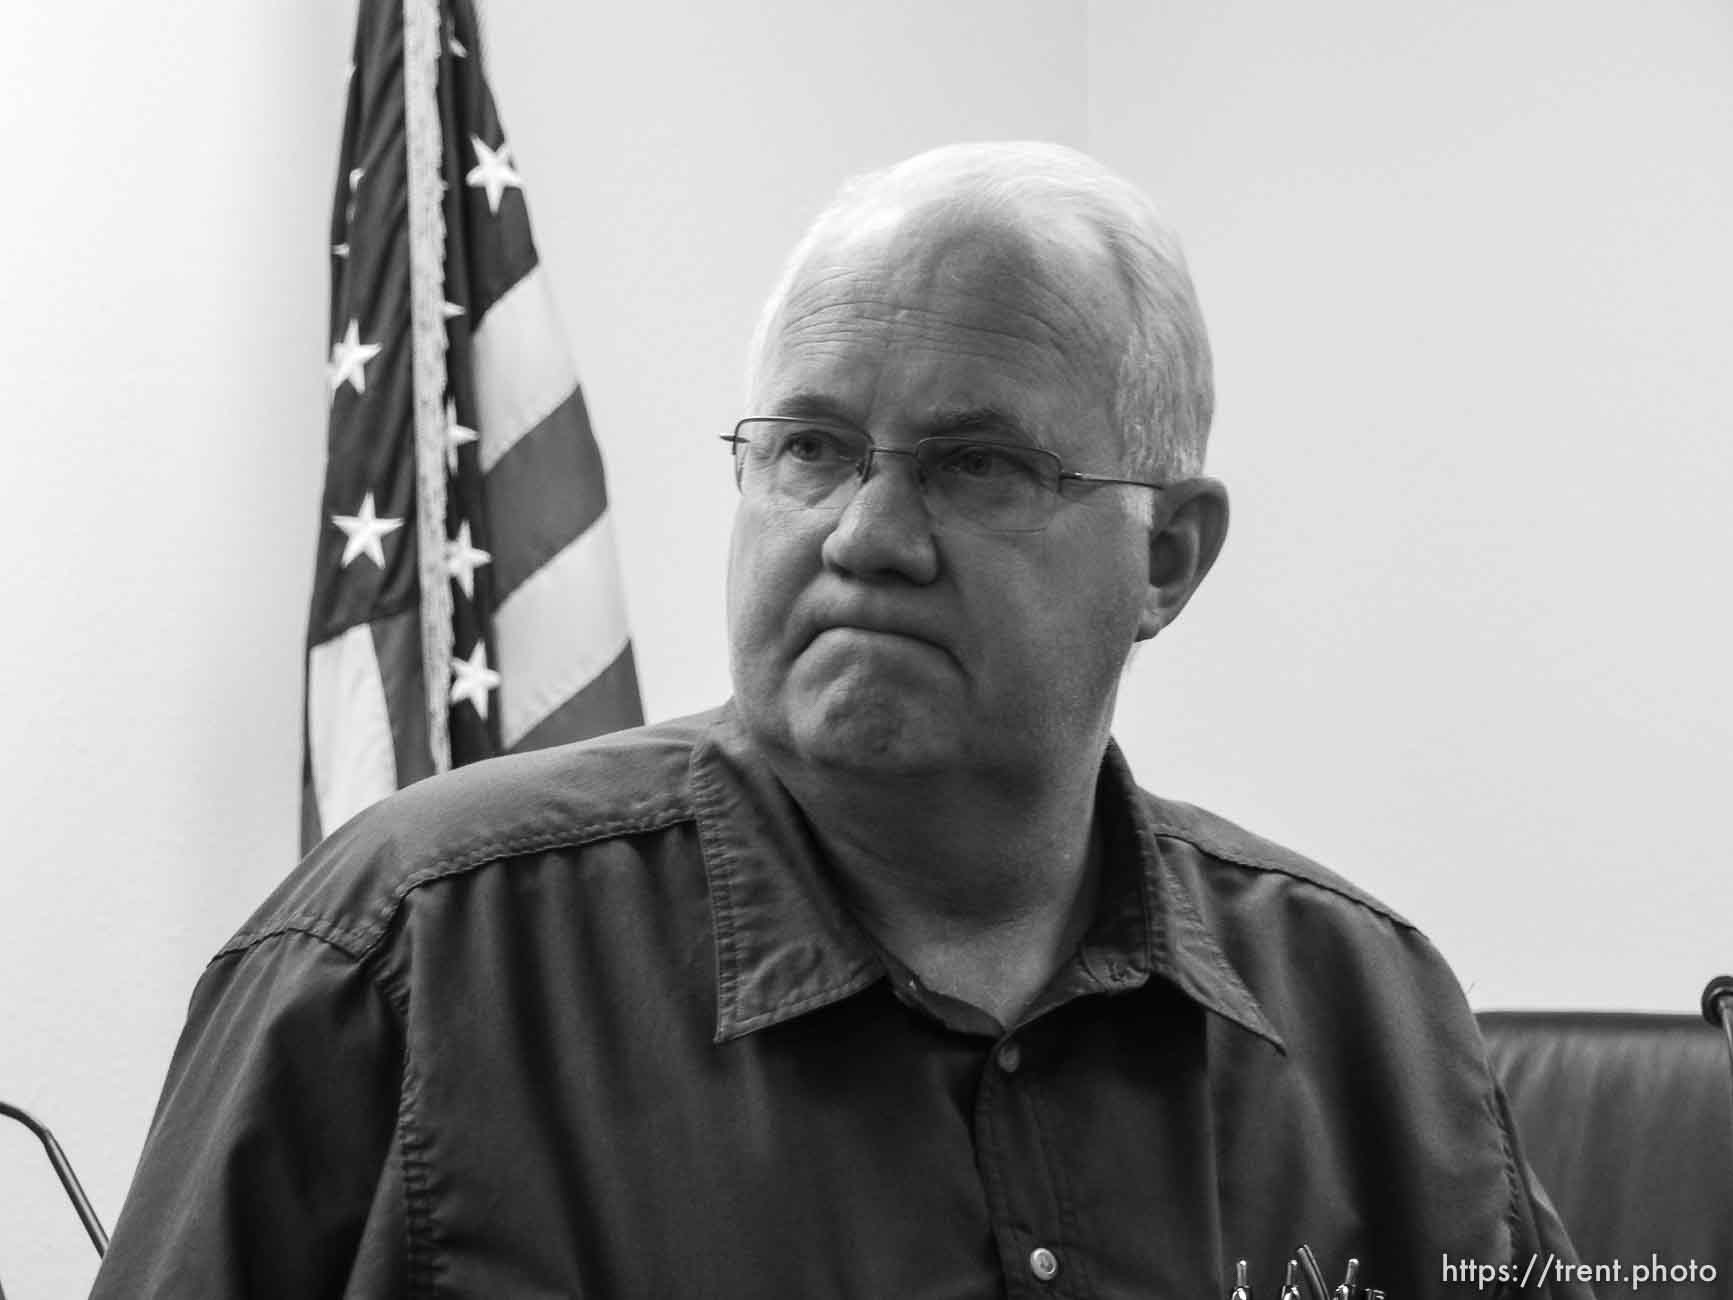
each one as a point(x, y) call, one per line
point(809, 446)
point(981, 462)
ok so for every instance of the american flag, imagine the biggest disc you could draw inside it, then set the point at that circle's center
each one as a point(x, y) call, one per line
point(466, 600)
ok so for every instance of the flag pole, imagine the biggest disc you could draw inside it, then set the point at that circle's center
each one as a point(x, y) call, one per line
point(423, 147)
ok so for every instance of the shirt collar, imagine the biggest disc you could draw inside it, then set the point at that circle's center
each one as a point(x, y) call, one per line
point(1177, 942)
point(786, 943)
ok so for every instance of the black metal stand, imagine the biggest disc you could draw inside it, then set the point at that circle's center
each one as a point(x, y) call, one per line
point(68, 1179)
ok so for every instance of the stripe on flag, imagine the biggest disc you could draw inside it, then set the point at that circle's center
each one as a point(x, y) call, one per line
point(348, 727)
point(522, 367)
point(543, 494)
point(561, 628)
point(607, 703)
point(397, 641)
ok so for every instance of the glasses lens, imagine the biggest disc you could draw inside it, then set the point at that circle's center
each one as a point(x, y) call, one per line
point(995, 485)
point(797, 464)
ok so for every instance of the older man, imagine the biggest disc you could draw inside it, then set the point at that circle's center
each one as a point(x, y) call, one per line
point(883, 980)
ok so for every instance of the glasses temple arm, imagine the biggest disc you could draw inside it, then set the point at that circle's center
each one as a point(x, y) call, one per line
point(1075, 477)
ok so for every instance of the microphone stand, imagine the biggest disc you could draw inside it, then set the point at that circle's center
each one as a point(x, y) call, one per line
point(68, 1179)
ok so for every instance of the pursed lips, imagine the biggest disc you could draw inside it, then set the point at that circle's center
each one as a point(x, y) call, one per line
point(879, 633)
point(898, 629)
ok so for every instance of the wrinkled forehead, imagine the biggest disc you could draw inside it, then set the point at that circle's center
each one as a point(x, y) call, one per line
point(1018, 281)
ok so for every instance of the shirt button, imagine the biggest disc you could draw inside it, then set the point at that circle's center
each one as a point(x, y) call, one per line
point(1009, 1056)
point(1044, 1264)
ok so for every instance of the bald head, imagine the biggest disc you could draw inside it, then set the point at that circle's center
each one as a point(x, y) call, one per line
point(1023, 204)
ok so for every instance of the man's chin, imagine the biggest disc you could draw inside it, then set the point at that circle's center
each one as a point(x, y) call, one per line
point(886, 737)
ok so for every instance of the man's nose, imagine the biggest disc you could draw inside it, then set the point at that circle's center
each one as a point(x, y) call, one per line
point(885, 529)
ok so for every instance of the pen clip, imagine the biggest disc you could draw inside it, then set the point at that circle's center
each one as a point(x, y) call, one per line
point(1350, 1282)
point(1291, 1282)
point(1242, 1285)
point(1312, 1273)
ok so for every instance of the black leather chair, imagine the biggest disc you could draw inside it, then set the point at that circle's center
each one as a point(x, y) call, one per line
point(1628, 1120)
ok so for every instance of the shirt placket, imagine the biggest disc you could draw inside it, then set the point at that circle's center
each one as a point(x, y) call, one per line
point(1024, 1174)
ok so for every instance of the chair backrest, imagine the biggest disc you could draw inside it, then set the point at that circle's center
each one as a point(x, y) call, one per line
point(1627, 1119)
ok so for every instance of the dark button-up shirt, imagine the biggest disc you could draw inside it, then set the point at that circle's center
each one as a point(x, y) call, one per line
point(594, 1022)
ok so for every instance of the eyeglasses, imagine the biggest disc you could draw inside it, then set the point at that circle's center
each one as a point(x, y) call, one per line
point(1000, 487)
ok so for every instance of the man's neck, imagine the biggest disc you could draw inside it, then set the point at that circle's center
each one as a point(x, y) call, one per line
point(982, 893)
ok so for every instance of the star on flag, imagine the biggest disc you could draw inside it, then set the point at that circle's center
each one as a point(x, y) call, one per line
point(365, 531)
point(472, 679)
point(492, 172)
point(455, 435)
point(463, 558)
point(349, 358)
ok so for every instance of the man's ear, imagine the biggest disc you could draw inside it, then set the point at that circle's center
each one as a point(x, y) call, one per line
point(1191, 523)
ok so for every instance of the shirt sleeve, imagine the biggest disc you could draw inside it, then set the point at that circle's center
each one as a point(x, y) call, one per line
point(1540, 1239)
point(269, 1169)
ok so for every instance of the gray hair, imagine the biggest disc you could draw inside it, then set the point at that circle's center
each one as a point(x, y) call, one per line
point(1164, 393)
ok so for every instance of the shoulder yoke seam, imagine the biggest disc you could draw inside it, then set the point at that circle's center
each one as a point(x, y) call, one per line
point(357, 942)
point(327, 932)
point(1246, 860)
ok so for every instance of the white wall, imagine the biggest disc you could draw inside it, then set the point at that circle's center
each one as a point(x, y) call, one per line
point(161, 352)
point(1468, 288)
point(1468, 269)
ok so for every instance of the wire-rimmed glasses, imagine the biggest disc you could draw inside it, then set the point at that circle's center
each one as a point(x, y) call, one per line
point(1001, 487)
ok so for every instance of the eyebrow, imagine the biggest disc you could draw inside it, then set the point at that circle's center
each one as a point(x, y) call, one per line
point(964, 421)
point(961, 421)
point(806, 405)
